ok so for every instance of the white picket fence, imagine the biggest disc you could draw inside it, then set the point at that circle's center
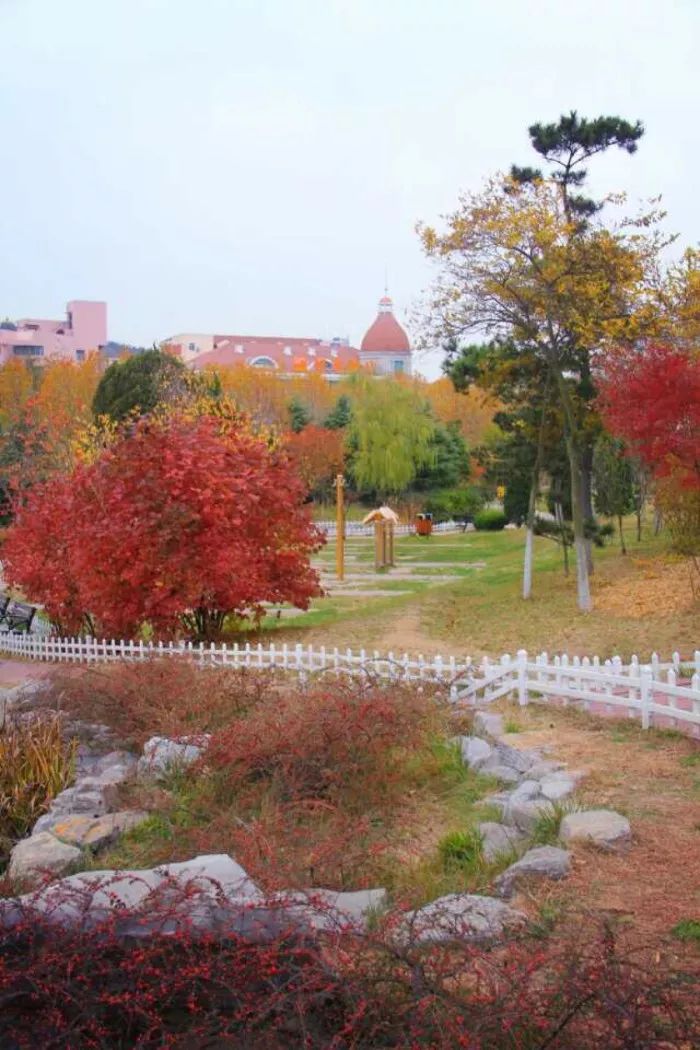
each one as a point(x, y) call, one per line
point(356, 528)
point(661, 694)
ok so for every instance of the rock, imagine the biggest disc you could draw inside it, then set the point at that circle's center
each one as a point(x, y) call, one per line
point(543, 862)
point(520, 761)
point(494, 768)
point(489, 723)
point(604, 828)
point(526, 790)
point(328, 908)
point(211, 882)
point(475, 751)
point(543, 769)
point(460, 917)
point(161, 754)
point(510, 525)
point(498, 840)
point(525, 814)
point(557, 786)
point(39, 854)
point(96, 833)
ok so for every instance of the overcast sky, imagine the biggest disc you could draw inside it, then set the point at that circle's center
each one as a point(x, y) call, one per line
point(252, 166)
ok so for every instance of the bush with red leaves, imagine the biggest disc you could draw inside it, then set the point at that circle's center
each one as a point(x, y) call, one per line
point(335, 741)
point(156, 697)
point(71, 988)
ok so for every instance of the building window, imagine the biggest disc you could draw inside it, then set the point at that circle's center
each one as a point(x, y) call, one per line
point(80, 355)
point(191, 347)
point(398, 366)
point(263, 362)
point(28, 351)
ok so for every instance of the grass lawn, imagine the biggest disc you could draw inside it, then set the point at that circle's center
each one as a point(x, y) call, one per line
point(460, 594)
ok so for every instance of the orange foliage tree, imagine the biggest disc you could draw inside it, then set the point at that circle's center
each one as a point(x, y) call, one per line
point(318, 455)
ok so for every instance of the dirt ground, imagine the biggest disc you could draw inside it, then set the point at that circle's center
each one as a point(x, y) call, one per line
point(651, 777)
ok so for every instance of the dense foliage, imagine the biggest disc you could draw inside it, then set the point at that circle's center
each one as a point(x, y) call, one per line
point(195, 518)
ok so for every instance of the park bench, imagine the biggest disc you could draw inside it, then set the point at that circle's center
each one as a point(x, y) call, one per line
point(15, 616)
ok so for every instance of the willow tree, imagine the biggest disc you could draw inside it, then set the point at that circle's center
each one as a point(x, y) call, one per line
point(517, 265)
point(390, 436)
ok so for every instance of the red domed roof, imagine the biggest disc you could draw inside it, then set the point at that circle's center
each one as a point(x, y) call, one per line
point(386, 333)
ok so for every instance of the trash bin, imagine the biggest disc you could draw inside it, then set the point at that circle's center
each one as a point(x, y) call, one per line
point(424, 524)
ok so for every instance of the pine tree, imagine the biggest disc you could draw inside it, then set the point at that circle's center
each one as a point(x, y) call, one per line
point(299, 415)
point(340, 415)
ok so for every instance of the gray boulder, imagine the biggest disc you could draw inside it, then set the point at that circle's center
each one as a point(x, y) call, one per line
point(520, 761)
point(494, 768)
point(526, 790)
point(489, 723)
point(525, 814)
point(160, 755)
point(41, 854)
point(499, 840)
point(604, 828)
point(543, 769)
point(96, 833)
point(475, 751)
point(460, 917)
point(557, 786)
point(543, 862)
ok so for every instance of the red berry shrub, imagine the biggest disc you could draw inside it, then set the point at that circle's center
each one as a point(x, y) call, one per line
point(339, 741)
point(71, 988)
point(156, 697)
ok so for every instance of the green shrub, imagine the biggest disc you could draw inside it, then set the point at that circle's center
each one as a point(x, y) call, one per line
point(461, 849)
point(454, 504)
point(490, 520)
point(687, 930)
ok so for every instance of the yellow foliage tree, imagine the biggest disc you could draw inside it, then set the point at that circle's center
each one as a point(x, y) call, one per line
point(514, 264)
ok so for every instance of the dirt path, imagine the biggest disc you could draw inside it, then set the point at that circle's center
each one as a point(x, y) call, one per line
point(654, 779)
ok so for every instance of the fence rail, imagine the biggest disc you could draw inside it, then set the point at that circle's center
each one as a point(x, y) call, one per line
point(661, 694)
point(356, 528)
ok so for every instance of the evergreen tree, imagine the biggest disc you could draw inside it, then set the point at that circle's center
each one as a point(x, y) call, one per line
point(139, 384)
point(299, 416)
point(614, 481)
point(340, 415)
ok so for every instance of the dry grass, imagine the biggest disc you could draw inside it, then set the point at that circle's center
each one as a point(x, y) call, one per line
point(653, 778)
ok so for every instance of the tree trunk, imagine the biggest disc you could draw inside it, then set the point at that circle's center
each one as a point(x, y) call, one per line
point(583, 587)
point(587, 497)
point(639, 524)
point(527, 565)
point(622, 535)
point(559, 515)
point(532, 502)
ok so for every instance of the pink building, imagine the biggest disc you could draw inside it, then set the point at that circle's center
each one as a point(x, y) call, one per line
point(385, 349)
point(32, 339)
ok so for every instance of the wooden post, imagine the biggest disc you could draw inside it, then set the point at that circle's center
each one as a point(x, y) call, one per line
point(390, 543)
point(340, 527)
point(378, 545)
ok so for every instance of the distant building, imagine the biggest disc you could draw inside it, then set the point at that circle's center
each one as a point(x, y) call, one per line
point(385, 349)
point(32, 339)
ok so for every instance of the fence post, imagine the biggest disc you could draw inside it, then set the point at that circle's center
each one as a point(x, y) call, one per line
point(646, 684)
point(522, 677)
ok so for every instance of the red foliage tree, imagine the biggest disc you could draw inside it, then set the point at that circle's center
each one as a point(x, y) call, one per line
point(180, 522)
point(650, 397)
point(318, 454)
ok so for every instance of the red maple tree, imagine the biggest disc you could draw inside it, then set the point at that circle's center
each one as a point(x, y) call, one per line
point(318, 454)
point(650, 397)
point(181, 522)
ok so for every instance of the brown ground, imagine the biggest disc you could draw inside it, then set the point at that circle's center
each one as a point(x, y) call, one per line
point(651, 777)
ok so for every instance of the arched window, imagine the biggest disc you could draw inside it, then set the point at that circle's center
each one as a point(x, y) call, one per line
point(263, 362)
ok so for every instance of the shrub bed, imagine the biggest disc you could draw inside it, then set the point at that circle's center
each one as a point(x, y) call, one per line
point(70, 988)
